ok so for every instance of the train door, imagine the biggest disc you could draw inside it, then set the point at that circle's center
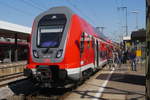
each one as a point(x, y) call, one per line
point(82, 47)
point(96, 48)
point(99, 54)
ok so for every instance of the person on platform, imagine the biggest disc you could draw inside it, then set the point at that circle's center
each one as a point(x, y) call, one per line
point(133, 60)
point(115, 58)
point(119, 57)
point(110, 59)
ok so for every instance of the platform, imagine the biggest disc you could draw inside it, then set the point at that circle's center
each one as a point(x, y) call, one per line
point(8, 69)
point(126, 83)
point(118, 84)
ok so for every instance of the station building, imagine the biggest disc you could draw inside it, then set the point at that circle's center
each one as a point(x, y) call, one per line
point(137, 41)
point(13, 42)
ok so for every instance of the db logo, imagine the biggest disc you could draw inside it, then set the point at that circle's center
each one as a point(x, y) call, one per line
point(47, 60)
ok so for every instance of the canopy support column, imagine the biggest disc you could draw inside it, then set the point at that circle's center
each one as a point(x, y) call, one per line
point(16, 47)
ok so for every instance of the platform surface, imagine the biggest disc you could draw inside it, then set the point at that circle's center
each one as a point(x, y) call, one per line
point(118, 84)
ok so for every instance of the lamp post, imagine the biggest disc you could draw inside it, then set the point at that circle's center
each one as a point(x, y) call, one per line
point(126, 19)
point(136, 18)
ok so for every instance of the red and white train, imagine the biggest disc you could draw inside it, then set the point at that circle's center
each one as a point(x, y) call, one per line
point(65, 47)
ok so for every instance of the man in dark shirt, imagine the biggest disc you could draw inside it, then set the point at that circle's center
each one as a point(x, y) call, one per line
point(133, 60)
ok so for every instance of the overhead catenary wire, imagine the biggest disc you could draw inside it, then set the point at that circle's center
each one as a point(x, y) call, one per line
point(39, 5)
point(120, 23)
point(15, 9)
point(74, 6)
point(32, 5)
point(91, 9)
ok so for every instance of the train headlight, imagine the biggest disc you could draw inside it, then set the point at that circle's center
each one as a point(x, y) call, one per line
point(59, 53)
point(35, 54)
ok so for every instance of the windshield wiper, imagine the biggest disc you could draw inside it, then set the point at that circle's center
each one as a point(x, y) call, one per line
point(47, 49)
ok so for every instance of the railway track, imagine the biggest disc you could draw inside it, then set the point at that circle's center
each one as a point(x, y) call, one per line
point(10, 76)
point(40, 93)
point(11, 72)
point(49, 94)
point(37, 93)
point(27, 90)
point(5, 80)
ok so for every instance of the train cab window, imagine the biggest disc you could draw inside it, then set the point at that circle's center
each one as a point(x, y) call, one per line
point(50, 30)
point(82, 42)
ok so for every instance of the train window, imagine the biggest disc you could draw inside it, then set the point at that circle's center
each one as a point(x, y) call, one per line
point(53, 19)
point(49, 36)
point(89, 39)
point(50, 30)
point(93, 42)
point(103, 54)
point(82, 42)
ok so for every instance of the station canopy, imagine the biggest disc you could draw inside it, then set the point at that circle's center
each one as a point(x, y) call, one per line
point(127, 38)
point(139, 35)
point(9, 30)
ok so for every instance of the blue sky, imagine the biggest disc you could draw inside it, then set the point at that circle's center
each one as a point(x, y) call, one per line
point(97, 12)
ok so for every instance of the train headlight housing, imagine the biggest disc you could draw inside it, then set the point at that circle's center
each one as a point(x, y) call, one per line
point(33, 71)
point(59, 53)
point(35, 54)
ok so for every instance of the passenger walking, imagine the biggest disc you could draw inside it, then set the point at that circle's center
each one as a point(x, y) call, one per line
point(119, 57)
point(133, 60)
point(110, 61)
point(115, 58)
point(125, 56)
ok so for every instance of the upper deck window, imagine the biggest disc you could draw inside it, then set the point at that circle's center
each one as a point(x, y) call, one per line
point(50, 30)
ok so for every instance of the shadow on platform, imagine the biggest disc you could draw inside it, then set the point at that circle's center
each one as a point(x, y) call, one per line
point(27, 87)
point(126, 78)
point(118, 93)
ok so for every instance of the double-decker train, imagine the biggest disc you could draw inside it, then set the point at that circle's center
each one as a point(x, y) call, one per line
point(65, 47)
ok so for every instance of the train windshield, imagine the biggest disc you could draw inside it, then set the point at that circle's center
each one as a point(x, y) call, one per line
point(50, 30)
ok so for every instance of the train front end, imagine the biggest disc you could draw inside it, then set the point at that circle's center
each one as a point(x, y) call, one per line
point(48, 44)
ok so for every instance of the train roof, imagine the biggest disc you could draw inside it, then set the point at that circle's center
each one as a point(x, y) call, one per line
point(60, 9)
point(68, 12)
point(55, 10)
